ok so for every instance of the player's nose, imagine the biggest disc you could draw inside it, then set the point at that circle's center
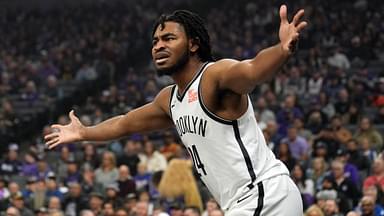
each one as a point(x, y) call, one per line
point(158, 46)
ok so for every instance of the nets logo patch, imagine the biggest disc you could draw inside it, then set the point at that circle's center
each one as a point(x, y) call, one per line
point(192, 95)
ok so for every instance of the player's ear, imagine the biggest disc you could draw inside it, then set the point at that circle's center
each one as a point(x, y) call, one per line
point(194, 44)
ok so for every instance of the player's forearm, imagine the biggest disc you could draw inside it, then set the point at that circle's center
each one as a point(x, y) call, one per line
point(107, 130)
point(267, 62)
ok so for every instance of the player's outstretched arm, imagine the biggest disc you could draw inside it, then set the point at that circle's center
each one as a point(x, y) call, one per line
point(152, 116)
point(242, 76)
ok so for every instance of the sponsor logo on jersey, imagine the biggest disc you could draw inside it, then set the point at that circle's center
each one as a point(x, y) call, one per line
point(192, 95)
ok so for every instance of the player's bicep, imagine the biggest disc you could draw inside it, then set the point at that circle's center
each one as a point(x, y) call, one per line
point(235, 76)
point(146, 118)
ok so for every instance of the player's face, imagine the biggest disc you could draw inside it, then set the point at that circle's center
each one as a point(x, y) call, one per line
point(170, 50)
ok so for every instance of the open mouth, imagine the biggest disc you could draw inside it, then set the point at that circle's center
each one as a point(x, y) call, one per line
point(161, 60)
point(161, 57)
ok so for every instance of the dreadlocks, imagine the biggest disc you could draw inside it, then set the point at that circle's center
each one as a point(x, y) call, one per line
point(194, 28)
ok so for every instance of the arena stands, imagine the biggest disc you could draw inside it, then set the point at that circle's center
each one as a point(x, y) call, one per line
point(323, 114)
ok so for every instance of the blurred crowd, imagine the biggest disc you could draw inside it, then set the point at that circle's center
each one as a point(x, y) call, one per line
point(322, 115)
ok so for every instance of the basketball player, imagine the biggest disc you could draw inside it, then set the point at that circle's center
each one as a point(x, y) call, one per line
point(211, 110)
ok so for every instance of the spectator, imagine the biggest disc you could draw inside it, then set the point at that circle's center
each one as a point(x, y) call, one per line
point(52, 187)
point(315, 83)
point(336, 134)
point(325, 105)
point(193, 211)
point(217, 212)
point(14, 188)
point(379, 117)
point(350, 170)
point(111, 195)
point(353, 213)
point(30, 188)
point(372, 192)
point(211, 205)
point(314, 210)
point(150, 90)
point(367, 150)
point(17, 201)
point(89, 157)
point(108, 209)
point(8, 123)
point(125, 182)
point(73, 174)
point(13, 211)
point(316, 121)
point(154, 159)
point(41, 211)
point(317, 172)
point(30, 93)
point(121, 212)
point(326, 193)
point(54, 204)
point(347, 190)
point(87, 212)
point(40, 195)
point(74, 201)
point(107, 173)
point(265, 114)
point(89, 183)
point(170, 147)
point(29, 167)
point(306, 185)
point(96, 203)
point(34, 64)
point(332, 208)
point(285, 155)
point(86, 73)
point(272, 131)
point(367, 206)
point(297, 144)
point(357, 158)
point(343, 101)
point(47, 68)
point(141, 208)
point(61, 164)
point(4, 193)
point(288, 113)
point(353, 115)
point(11, 165)
point(130, 202)
point(302, 131)
point(366, 130)
point(130, 157)
point(296, 82)
point(377, 176)
point(51, 89)
point(320, 149)
point(339, 60)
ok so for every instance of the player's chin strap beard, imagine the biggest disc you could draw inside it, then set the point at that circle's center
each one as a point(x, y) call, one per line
point(177, 67)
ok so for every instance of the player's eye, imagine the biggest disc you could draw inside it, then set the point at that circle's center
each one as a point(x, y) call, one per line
point(169, 38)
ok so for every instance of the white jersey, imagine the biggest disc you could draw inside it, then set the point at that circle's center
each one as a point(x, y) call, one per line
point(231, 156)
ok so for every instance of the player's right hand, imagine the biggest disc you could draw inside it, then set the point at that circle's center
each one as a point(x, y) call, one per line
point(65, 133)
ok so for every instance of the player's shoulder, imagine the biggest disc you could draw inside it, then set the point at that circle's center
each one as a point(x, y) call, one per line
point(163, 97)
point(221, 65)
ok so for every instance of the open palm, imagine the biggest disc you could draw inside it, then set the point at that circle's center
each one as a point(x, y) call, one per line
point(289, 31)
point(65, 133)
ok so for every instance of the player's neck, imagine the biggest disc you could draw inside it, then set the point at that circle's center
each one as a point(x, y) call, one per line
point(183, 77)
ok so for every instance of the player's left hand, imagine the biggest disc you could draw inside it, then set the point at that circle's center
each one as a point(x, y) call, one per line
point(289, 31)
